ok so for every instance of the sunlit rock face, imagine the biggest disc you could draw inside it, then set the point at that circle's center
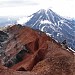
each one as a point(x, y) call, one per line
point(32, 52)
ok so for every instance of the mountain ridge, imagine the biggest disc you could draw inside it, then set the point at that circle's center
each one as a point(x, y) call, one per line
point(32, 52)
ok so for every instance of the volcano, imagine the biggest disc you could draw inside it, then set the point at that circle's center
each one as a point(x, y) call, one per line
point(53, 25)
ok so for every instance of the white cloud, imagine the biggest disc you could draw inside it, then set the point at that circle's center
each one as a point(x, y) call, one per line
point(62, 7)
point(12, 3)
point(23, 20)
point(17, 11)
point(26, 7)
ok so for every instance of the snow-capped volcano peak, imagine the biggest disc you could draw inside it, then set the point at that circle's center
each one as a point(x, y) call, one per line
point(43, 15)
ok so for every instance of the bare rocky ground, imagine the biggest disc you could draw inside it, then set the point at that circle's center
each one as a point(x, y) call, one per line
point(32, 52)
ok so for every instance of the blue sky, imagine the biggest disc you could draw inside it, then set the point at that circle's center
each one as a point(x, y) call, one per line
point(64, 8)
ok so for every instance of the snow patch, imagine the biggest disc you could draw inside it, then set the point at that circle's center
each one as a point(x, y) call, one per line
point(49, 34)
point(62, 21)
point(45, 22)
point(58, 34)
point(42, 29)
point(71, 49)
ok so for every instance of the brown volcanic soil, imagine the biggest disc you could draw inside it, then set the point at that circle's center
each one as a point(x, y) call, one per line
point(43, 56)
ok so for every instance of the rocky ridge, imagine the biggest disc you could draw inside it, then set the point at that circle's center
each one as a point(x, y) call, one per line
point(32, 52)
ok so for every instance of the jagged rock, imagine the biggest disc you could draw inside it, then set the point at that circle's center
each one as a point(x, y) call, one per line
point(32, 52)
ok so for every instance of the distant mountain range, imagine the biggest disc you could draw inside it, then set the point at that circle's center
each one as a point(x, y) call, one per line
point(5, 21)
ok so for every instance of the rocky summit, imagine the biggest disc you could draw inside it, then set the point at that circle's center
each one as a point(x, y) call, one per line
point(32, 52)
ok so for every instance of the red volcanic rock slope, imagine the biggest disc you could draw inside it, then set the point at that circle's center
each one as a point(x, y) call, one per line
point(32, 52)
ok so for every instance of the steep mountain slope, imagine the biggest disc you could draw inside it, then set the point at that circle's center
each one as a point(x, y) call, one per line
point(32, 52)
point(54, 25)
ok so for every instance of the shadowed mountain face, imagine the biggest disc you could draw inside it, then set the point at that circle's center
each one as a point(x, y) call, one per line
point(3, 36)
point(54, 25)
point(32, 52)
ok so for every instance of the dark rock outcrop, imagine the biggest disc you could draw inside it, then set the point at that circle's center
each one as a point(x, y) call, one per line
point(3, 38)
